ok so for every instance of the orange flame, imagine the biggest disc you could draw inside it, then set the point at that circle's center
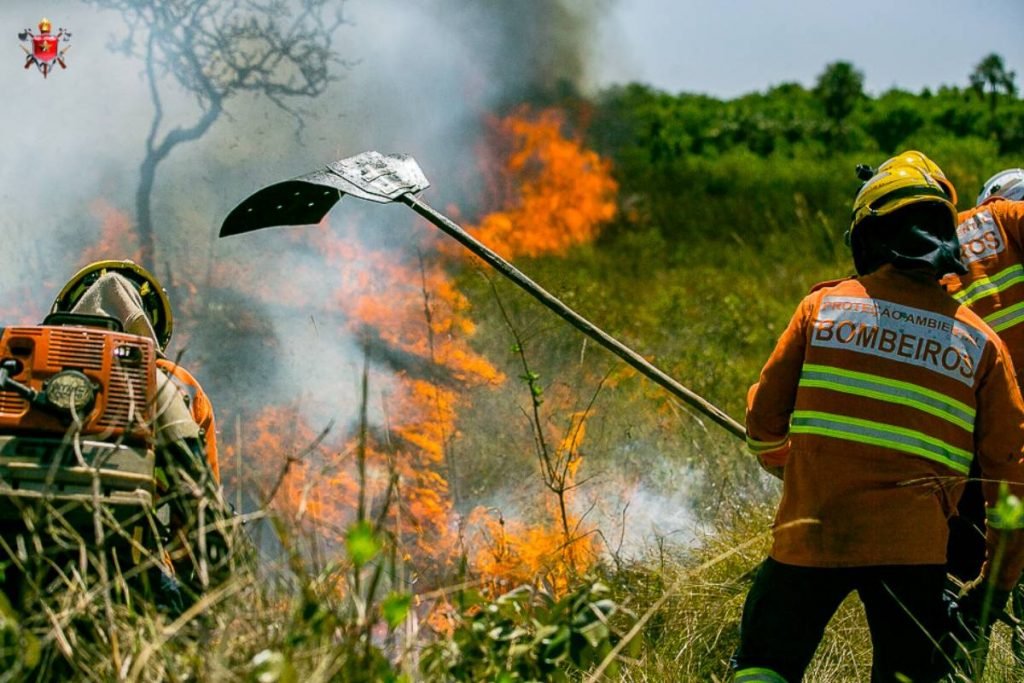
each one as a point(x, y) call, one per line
point(562, 192)
point(117, 235)
point(559, 195)
point(417, 324)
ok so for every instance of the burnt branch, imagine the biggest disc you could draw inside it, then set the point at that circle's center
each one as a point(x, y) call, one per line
point(216, 49)
point(281, 50)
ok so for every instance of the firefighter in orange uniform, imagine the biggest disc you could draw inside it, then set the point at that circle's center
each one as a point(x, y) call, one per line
point(190, 497)
point(992, 247)
point(966, 547)
point(877, 399)
point(104, 287)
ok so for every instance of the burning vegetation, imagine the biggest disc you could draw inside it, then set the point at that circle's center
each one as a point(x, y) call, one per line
point(408, 316)
point(416, 328)
point(554, 193)
point(395, 472)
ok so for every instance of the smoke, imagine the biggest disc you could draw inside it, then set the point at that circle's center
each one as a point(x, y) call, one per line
point(419, 78)
point(422, 78)
point(255, 312)
point(529, 47)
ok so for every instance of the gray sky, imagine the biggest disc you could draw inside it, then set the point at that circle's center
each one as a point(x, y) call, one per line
point(730, 47)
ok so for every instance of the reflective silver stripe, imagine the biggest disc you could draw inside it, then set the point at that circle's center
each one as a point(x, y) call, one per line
point(883, 435)
point(1007, 317)
point(892, 391)
point(983, 287)
point(980, 238)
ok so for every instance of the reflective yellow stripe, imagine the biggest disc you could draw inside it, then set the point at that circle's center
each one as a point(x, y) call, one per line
point(883, 435)
point(762, 446)
point(987, 286)
point(889, 390)
point(1006, 317)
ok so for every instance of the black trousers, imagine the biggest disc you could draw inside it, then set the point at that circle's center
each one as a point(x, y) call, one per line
point(788, 608)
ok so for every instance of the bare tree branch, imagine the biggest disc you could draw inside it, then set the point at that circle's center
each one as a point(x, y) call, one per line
point(281, 50)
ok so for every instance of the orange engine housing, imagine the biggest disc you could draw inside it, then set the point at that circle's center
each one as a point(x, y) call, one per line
point(123, 366)
point(49, 462)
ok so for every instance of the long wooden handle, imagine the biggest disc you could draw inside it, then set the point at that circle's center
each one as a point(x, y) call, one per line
point(573, 318)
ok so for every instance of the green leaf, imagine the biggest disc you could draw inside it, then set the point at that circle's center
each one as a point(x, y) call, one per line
point(556, 647)
point(1008, 512)
point(515, 633)
point(362, 543)
point(8, 618)
point(395, 608)
point(161, 478)
point(545, 631)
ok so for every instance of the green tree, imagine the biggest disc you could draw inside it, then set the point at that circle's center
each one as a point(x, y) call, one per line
point(839, 87)
point(991, 79)
point(893, 118)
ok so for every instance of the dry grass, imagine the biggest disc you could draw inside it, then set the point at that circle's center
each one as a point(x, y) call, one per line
point(697, 598)
point(274, 613)
point(285, 620)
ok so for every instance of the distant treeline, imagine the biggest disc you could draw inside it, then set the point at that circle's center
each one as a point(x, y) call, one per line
point(698, 164)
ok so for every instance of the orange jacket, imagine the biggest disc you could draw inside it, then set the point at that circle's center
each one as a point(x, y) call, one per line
point(199, 404)
point(876, 399)
point(992, 247)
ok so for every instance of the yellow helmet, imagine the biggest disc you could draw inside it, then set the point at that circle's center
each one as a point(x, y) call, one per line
point(912, 157)
point(44, 25)
point(895, 187)
point(931, 239)
point(154, 297)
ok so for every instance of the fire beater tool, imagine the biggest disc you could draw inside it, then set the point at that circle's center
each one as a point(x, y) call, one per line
point(390, 178)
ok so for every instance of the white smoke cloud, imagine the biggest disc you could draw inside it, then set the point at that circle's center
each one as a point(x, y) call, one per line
point(421, 78)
